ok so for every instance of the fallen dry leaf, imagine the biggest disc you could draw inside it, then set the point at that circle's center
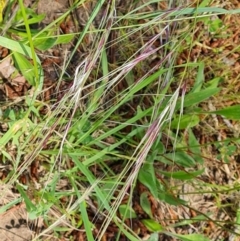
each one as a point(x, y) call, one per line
point(6, 68)
point(18, 80)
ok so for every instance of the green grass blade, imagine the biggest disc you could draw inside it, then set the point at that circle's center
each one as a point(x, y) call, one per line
point(232, 112)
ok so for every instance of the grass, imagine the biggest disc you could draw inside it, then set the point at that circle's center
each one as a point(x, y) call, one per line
point(130, 135)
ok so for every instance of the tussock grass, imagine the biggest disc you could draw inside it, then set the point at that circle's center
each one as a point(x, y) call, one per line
point(126, 120)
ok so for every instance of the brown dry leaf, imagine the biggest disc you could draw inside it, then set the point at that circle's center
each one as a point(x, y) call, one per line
point(18, 80)
point(6, 68)
point(12, 93)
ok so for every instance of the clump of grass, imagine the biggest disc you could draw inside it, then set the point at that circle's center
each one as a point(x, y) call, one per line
point(121, 124)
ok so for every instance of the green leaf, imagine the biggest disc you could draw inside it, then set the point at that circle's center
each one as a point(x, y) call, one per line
point(197, 97)
point(31, 106)
point(126, 211)
point(147, 177)
point(199, 79)
point(181, 158)
point(64, 38)
point(157, 148)
point(182, 175)
point(154, 237)
point(182, 122)
point(185, 222)
point(152, 225)
point(238, 217)
point(16, 46)
point(32, 17)
point(215, 25)
point(25, 50)
point(232, 112)
point(214, 82)
point(101, 194)
point(14, 129)
point(189, 237)
point(194, 147)
point(10, 204)
point(6, 154)
point(145, 204)
point(86, 222)
point(29, 205)
point(10, 114)
point(204, 3)
point(44, 43)
point(169, 198)
point(25, 67)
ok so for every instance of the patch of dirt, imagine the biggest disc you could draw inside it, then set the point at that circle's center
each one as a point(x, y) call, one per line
point(52, 9)
point(14, 223)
